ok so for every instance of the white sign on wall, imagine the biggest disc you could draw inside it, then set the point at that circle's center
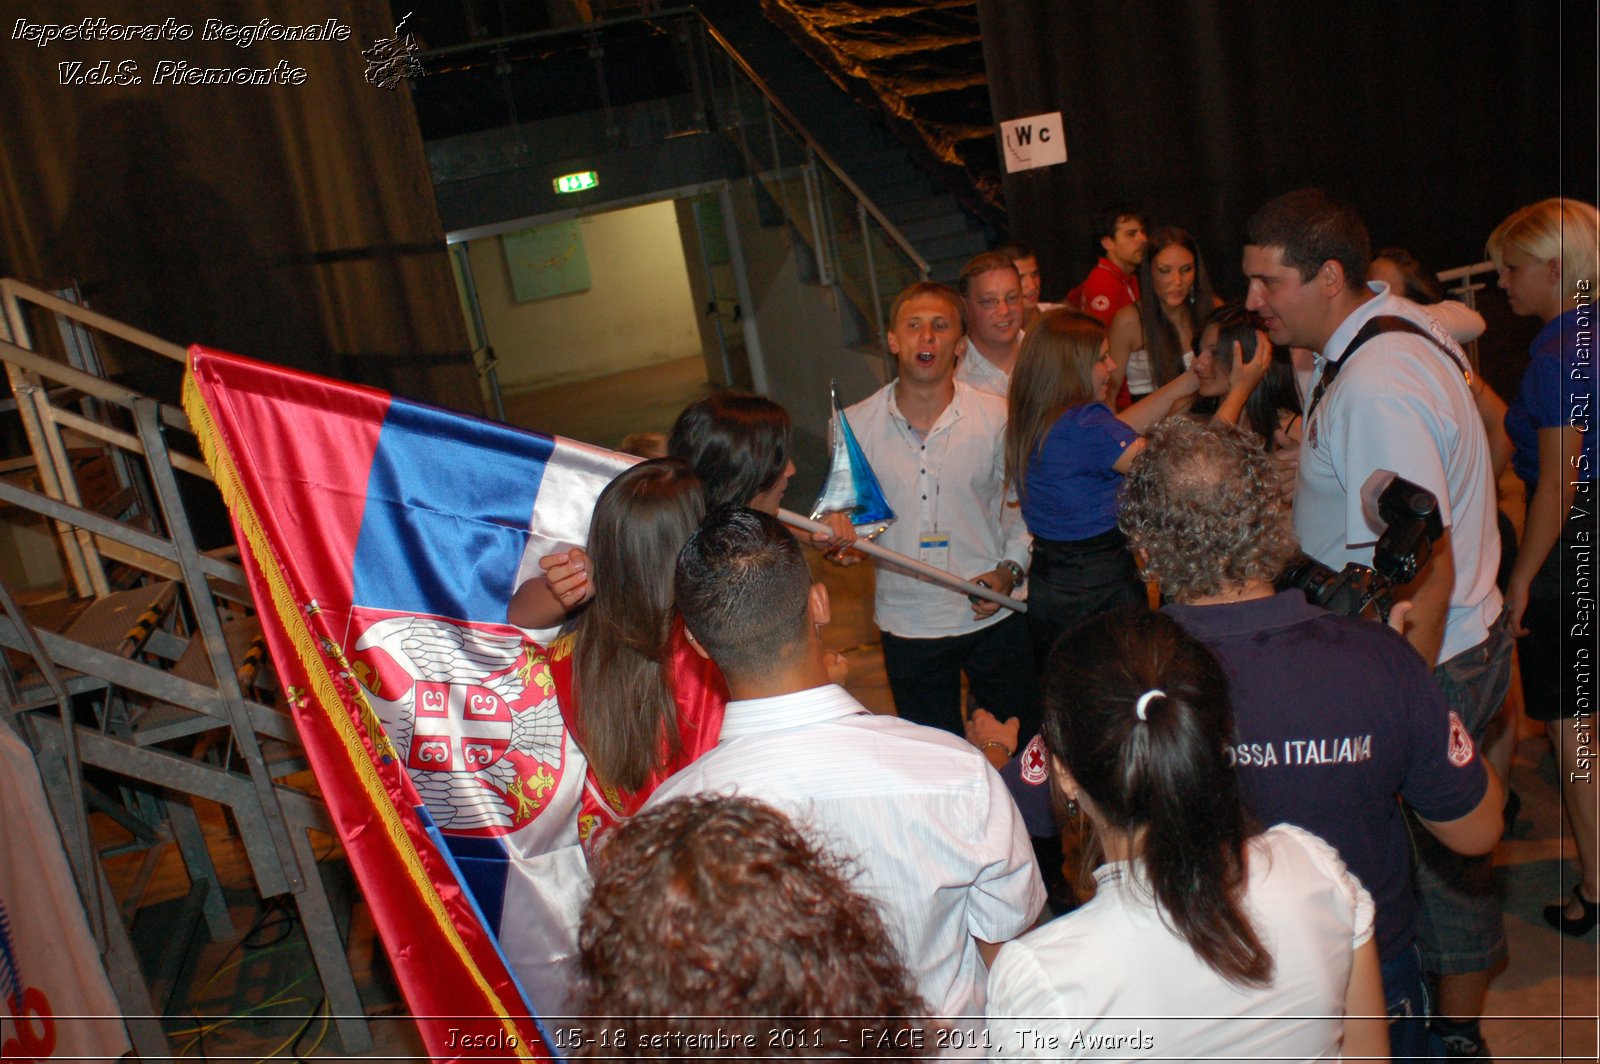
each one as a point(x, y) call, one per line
point(1038, 140)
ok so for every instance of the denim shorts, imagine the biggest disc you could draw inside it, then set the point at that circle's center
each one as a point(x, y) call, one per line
point(1459, 925)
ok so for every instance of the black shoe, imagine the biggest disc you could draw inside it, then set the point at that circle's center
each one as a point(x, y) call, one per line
point(1460, 1039)
point(1457, 1045)
point(1556, 916)
point(1512, 807)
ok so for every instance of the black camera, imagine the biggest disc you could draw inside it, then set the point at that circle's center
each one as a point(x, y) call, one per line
point(1410, 516)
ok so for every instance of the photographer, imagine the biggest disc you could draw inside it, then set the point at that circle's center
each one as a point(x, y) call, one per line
point(1335, 716)
point(1392, 391)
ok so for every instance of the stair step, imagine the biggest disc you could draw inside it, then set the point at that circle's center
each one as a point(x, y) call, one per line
point(940, 225)
point(937, 206)
point(876, 160)
point(886, 193)
point(959, 245)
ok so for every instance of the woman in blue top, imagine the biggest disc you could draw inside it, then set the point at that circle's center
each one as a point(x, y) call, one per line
point(1066, 453)
point(1546, 257)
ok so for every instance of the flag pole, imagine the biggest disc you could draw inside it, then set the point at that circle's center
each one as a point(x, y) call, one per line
point(949, 580)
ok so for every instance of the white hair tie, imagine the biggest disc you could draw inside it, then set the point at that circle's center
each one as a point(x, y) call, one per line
point(1145, 700)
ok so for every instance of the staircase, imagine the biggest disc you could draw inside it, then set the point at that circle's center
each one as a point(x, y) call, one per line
point(917, 203)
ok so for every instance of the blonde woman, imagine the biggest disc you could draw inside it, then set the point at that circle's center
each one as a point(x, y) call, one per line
point(1546, 257)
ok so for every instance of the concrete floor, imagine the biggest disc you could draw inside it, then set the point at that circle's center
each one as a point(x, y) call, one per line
point(1543, 1006)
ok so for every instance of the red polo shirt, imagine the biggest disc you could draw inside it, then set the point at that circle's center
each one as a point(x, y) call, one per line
point(1105, 291)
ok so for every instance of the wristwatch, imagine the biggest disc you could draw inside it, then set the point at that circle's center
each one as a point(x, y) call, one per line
point(1018, 574)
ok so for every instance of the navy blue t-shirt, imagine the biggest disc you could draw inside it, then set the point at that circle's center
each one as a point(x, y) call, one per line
point(1071, 489)
point(1334, 717)
point(1557, 390)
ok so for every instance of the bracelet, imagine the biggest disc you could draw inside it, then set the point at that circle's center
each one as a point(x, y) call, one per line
point(1018, 575)
point(995, 742)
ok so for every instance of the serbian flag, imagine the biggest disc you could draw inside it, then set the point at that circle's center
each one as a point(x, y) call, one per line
point(384, 539)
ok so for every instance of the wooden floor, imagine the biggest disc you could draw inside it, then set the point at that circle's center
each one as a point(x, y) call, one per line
point(1541, 1007)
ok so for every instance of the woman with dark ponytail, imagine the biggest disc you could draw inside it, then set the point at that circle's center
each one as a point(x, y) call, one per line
point(1204, 939)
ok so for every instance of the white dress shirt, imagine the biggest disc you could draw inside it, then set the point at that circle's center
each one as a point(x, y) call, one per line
point(938, 841)
point(980, 373)
point(952, 482)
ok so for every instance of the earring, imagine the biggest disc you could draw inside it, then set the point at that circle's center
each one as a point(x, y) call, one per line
point(1072, 808)
point(1191, 297)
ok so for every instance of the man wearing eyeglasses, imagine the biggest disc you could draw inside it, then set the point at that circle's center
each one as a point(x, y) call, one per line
point(991, 288)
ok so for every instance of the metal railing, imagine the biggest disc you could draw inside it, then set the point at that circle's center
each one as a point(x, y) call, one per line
point(855, 245)
point(1468, 290)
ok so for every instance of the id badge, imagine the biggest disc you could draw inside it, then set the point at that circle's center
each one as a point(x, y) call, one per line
point(933, 548)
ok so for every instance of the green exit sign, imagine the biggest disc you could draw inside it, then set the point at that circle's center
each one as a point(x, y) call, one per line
point(577, 182)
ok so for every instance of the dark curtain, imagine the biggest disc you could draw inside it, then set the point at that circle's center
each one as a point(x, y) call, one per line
point(1434, 119)
point(292, 223)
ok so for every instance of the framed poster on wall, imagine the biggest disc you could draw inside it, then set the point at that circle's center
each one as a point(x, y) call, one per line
point(545, 261)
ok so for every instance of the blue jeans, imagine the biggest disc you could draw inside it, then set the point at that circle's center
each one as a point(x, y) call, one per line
point(1405, 997)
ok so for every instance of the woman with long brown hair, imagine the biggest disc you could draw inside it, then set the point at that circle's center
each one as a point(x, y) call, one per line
point(1149, 339)
point(641, 703)
point(1066, 454)
point(638, 699)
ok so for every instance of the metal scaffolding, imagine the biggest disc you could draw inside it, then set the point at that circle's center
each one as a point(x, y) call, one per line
point(156, 673)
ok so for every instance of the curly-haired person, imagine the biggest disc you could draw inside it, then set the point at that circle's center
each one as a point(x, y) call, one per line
point(1334, 716)
point(717, 928)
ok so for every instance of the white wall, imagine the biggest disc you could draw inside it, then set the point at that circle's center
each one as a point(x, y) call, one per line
point(638, 309)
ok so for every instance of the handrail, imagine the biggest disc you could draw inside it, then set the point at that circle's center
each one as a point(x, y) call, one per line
point(799, 130)
point(89, 384)
point(1461, 273)
point(11, 289)
point(558, 31)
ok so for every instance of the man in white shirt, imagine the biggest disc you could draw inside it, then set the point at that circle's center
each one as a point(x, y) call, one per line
point(995, 303)
point(937, 446)
point(939, 843)
point(1392, 391)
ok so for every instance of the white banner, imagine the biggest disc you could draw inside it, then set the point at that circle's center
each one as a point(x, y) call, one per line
point(58, 1001)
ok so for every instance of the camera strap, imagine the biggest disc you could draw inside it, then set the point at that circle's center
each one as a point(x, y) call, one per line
point(1383, 323)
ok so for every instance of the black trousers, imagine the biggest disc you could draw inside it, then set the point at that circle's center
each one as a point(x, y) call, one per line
point(925, 676)
point(1557, 676)
point(1073, 580)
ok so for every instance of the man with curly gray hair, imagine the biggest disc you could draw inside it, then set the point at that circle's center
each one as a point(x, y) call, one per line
point(1203, 509)
point(1334, 716)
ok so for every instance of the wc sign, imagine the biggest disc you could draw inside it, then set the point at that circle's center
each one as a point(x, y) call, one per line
point(1038, 140)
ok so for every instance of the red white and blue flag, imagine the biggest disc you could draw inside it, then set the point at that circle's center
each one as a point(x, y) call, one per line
point(385, 538)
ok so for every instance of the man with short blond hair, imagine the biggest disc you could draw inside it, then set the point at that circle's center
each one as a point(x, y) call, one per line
point(937, 447)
